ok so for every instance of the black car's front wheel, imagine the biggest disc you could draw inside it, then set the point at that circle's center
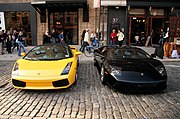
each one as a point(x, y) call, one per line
point(102, 75)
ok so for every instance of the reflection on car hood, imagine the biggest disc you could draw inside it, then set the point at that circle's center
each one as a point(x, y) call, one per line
point(137, 68)
point(135, 65)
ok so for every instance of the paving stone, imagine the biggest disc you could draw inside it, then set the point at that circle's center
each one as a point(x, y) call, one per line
point(89, 99)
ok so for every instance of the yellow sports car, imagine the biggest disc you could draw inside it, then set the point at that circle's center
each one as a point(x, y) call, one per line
point(46, 67)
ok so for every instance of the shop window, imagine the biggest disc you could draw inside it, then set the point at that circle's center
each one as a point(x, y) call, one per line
point(19, 21)
point(136, 11)
point(159, 12)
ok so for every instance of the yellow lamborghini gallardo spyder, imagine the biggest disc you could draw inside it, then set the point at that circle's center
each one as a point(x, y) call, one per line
point(46, 67)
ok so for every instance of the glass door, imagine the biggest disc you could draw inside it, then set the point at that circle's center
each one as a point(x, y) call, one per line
point(67, 22)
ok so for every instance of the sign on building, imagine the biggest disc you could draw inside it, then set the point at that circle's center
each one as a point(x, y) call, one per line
point(2, 21)
point(97, 3)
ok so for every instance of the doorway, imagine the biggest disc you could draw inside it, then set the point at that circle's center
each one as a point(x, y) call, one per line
point(156, 25)
point(137, 30)
point(68, 23)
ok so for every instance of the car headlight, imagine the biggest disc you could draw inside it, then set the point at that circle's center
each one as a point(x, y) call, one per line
point(16, 67)
point(115, 70)
point(67, 69)
point(161, 70)
point(15, 70)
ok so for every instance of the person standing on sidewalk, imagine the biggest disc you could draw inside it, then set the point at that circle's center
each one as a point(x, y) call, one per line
point(14, 37)
point(1, 43)
point(46, 38)
point(9, 42)
point(53, 36)
point(61, 37)
point(113, 38)
point(120, 38)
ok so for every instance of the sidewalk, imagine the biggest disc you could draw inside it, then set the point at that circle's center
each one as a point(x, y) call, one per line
point(14, 56)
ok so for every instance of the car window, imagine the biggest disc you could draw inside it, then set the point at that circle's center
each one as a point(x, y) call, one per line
point(129, 53)
point(49, 52)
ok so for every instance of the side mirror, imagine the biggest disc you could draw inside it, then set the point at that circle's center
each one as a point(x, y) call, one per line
point(153, 55)
point(23, 54)
point(78, 53)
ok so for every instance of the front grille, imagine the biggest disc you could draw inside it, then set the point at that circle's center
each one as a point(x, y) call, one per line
point(60, 83)
point(18, 83)
point(140, 87)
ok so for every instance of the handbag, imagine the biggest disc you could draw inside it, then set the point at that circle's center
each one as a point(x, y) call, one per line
point(17, 41)
point(174, 54)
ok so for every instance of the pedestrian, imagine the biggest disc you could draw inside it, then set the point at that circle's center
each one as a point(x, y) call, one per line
point(161, 40)
point(82, 37)
point(20, 43)
point(69, 37)
point(53, 36)
point(92, 36)
point(113, 38)
point(14, 37)
point(86, 41)
point(120, 37)
point(46, 38)
point(24, 36)
point(8, 42)
point(61, 37)
point(1, 43)
point(4, 37)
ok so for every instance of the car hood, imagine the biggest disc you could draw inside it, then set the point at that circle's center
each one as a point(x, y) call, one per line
point(136, 67)
point(41, 68)
point(135, 64)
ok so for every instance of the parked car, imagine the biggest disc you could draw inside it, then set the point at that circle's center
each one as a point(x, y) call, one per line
point(130, 69)
point(46, 67)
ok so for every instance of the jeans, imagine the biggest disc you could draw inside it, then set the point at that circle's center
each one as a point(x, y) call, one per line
point(20, 44)
point(1, 48)
point(53, 40)
point(83, 46)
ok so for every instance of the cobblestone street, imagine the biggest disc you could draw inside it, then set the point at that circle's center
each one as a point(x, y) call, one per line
point(89, 99)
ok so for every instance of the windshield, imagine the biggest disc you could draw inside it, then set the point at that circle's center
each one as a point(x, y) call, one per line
point(128, 53)
point(49, 52)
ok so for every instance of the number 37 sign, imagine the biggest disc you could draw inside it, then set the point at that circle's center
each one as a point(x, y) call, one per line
point(115, 20)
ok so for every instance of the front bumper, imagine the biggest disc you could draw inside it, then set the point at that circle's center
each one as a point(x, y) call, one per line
point(135, 84)
point(140, 87)
point(42, 83)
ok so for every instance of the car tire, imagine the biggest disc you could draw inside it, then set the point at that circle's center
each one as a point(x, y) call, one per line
point(76, 78)
point(95, 62)
point(102, 75)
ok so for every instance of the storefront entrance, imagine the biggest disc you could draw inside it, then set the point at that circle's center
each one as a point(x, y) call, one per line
point(156, 25)
point(137, 30)
point(67, 22)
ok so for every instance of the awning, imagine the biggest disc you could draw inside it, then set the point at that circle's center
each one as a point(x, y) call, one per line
point(167, 3)
point(41, 5)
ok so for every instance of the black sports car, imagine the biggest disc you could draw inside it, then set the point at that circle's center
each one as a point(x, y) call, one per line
point(130, 69)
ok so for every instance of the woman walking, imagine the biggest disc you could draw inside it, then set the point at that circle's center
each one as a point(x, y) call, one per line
point(20, 43)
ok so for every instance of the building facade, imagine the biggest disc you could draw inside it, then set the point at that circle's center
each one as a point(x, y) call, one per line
point(133, 17)
point(150, 18)
point(38, 16)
